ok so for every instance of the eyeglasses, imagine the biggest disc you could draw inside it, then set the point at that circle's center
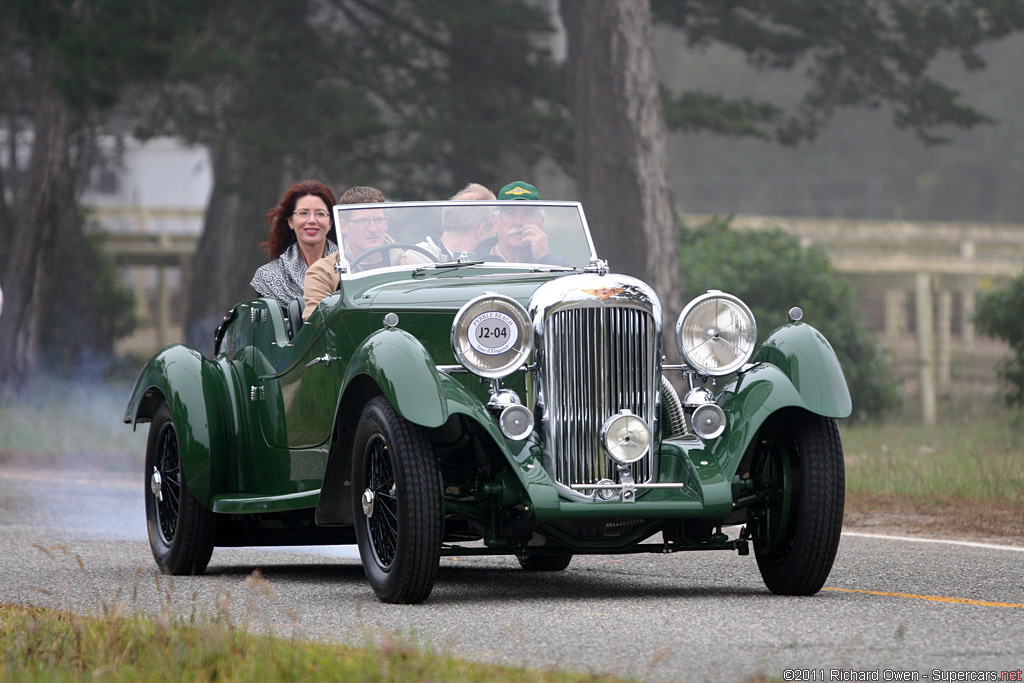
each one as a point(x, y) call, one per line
point(303, 215)
point(380, 221)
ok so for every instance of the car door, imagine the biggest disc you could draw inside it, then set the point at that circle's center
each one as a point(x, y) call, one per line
point(294, 394)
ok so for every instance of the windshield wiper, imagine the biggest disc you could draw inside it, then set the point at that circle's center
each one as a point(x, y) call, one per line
point(445, 264)
point(456, 264)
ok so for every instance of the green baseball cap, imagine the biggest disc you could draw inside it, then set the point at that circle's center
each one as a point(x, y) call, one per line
point(518, 190)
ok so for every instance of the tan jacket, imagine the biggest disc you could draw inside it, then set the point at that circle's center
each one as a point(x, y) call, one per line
point(322, 280)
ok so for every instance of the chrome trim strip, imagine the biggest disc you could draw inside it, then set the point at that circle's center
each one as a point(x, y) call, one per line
point(618, 487)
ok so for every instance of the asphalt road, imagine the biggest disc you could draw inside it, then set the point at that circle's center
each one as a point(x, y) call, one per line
point(891, 609)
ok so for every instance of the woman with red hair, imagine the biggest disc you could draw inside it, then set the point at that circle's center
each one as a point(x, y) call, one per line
point(299, 229)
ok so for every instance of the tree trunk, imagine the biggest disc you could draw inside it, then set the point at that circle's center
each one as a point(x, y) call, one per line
point(33, 265)
point(245, 188)
point(620, 149)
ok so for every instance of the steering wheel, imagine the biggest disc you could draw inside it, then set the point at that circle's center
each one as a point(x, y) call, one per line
point(388, 247)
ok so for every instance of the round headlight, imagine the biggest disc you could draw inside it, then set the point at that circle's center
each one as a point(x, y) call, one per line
point(492, 336)
point(626, 437)
point(716, 333)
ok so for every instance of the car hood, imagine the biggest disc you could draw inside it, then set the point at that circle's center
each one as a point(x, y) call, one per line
point(450, 293)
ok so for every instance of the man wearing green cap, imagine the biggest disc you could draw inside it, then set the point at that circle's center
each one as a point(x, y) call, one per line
point(519, 230)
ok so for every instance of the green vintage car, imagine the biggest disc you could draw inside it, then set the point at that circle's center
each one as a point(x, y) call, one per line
point(511, 400)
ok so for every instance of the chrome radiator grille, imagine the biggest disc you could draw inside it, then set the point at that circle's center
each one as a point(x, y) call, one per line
point(596, 361)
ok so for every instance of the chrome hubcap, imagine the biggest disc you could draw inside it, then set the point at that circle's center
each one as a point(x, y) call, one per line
point(156, 485)
point(368, 503)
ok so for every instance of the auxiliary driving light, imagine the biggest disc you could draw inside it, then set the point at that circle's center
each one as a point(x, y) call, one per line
point(516, 422)
point(708, 421)
point(626, 437)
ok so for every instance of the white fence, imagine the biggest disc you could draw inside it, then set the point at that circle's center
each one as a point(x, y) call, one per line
point(918, 283)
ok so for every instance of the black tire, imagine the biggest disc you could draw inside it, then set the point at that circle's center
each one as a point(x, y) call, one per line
point(396, 498)
point(800, 465)
point(181, 531)
point(544, 562)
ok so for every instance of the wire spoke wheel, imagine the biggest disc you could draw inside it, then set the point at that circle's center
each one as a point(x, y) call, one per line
point(777, 475)
point(397, 500)
point(167, 479)
point(181, 530)
point(382, 522)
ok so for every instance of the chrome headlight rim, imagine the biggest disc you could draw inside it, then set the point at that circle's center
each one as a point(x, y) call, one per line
point(748, 335)
point(492, 357)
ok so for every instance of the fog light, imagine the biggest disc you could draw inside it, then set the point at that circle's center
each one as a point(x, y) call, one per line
point(626, 437)
point(516, 422)
point(708, 421)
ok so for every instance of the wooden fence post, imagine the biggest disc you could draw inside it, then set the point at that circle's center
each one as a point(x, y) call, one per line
point(925, 345)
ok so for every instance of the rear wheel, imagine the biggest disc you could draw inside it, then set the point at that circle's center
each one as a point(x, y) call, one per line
point(397, 501)
point(799, 467)
point(544, 562)
point(181, 531)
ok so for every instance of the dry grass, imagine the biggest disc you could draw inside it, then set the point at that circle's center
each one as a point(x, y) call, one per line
point(963, 477)
point(48, 646)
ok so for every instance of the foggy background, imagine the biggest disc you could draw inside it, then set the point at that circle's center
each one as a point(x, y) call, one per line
point(860, 166)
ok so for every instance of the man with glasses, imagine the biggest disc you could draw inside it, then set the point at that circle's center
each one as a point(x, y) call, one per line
point(361, 230)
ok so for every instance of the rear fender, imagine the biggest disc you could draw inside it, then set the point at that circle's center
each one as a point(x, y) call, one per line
point(197, 395)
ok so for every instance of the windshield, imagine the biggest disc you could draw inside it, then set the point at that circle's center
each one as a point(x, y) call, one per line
point(424, 234)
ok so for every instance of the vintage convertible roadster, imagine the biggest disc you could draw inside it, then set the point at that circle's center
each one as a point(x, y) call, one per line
point(474, 404)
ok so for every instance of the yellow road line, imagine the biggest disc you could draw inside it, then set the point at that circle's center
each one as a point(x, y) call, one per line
point(934, 598)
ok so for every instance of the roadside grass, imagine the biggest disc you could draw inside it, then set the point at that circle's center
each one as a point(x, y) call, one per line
point(39, 644)
point(972, 458)
point(964, 474)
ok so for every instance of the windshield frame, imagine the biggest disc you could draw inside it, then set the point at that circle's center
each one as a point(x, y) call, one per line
point(345, 270)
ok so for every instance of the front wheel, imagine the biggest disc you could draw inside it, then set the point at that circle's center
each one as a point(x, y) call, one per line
point(397, 504)
point(799, 468)
point(181, 530)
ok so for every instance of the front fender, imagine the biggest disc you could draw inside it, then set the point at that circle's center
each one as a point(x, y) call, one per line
point(196, 393)
point(405, 373)
point(804, 355)
point(400, 368)
point(795, 367)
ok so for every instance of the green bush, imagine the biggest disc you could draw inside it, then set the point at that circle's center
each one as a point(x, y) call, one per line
point(999, 315)
point(771, 272)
